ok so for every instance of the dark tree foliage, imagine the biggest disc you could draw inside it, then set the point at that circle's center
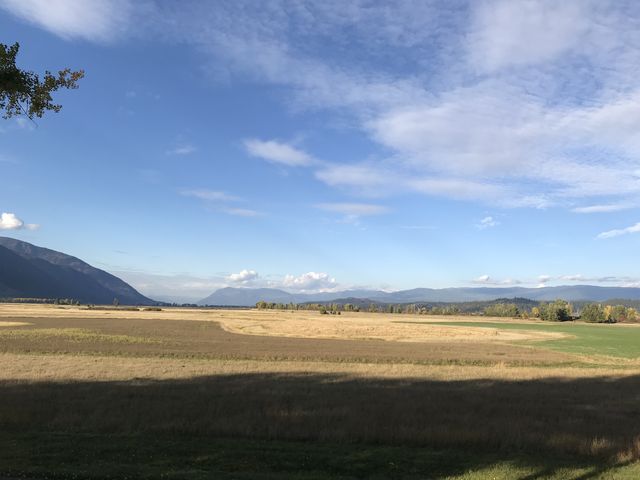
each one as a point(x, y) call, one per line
point(24, 92)
point(593, 313)
point(558, 311)
point(502, 310)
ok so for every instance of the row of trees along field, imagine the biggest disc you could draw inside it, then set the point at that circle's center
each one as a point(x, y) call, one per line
point(333, 308)
point(53, 301)
point(596, 313)
point(561, 311)
point(557, 311)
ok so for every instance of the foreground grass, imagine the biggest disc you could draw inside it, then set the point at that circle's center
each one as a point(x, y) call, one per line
point(594, 417)
point(611, 340)
point(84, 456)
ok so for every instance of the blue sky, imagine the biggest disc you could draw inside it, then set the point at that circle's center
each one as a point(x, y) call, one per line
point(328, 145)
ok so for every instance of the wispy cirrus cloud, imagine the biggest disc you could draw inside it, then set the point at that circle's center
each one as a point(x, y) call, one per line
point(521, 105)
point(222, 202)
point(359, 209)
point(488, 280)
point(210, 195)
point(97, 20)
point(550, 280)
point(619, 232)
point(278, 152)
point(487, 222)
point(185, 149)
point(353, 212)
point(513, 104)
point(241, 212)
point(604, 208)
point(508, 34)
point(7, 159)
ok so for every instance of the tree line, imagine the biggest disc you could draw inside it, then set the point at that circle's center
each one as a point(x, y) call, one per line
point(556, 311)
point(53, 301)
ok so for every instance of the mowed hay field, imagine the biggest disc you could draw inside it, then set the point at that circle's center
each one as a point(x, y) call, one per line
point(190, 393)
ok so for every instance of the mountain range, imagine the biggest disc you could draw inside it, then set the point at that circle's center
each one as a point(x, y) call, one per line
point(230, 296)
point(29, 271)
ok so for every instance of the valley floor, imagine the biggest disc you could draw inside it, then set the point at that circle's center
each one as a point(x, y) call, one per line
point(185, 393)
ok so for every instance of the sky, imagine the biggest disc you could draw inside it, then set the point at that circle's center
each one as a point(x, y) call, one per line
point(318, 146)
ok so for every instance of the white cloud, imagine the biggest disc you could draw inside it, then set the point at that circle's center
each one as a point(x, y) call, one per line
point(96, 20)
point(513, 150)
point(243, 277)
point(605, 208)
point(543, 280)
point(618, 232)
point(488, 222)
point(588, 279)
point(465, 131)
point(277, 152)
point(24, 123)
point(241, 212)
point(488, 280)
point(210, 195)
point(182, 150)
point(513, 104)
point(9, 221)
point(310, 281)
point(369, 179)
point(220, 201)
point(191, 288)
point(381, 180)
point(573, 278)
point(507, 33)
point(549, 280)
point(354, 209)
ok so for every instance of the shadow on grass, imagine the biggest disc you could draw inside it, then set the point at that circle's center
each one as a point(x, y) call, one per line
point(330, 425)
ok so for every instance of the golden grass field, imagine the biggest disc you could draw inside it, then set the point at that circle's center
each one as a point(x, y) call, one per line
point(357, 381)
point(301, 324)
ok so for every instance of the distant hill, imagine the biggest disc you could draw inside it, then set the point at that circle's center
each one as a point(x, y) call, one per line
point(249, 296)
point(243, 297)
point(246, 296)
point(34, 272)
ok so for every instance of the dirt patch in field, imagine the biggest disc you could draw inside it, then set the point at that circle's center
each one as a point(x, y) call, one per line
point(172, 338)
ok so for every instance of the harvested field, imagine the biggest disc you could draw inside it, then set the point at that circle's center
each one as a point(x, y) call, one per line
point(81, 367)
point(207, 339)
point(170, 385)
point(368, 327)
point(301, 324)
